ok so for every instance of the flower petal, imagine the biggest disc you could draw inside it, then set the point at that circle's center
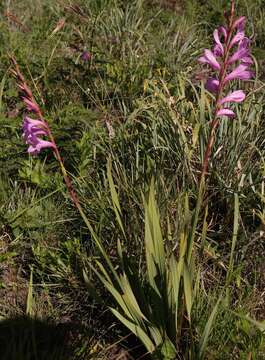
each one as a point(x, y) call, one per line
point(33, 122)
point(42, 144)
point(236, 96)
point(37, 147)
point(223, 30)
point(247, 60)
point(219, 46)
point(217, 51)
point(238, 55)
point(32, 150)
point(210, 59)
point(27, 135)
point(212, 85)
point(237, 38)
point(240, 72)
point(203, 60)
point(244, 43)
point(225, 112)
point(240, 23)
point(32, 137)
point(32, 129)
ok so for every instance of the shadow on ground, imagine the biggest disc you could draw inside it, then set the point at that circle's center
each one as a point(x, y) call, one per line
point(23, 338)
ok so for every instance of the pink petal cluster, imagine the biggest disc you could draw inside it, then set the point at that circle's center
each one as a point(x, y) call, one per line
point(230, 60)
point(32, 130)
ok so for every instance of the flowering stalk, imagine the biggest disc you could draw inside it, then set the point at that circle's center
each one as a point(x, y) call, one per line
point(229, 60)
point(35, 129)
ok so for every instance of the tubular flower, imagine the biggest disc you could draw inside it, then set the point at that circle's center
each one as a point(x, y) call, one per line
point(236, 96)
point(230, 60)
point(209, 58)
point(212, 85)
point(32, 130)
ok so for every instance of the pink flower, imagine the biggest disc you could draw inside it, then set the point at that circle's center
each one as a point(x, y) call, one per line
point(38, 144)
point(246, 60)
point(236, 96)
point(223, 30)
point(240, 23)
point(244, 45)
point(237, 38)
point(30, 124)
point(240, 54)
point(212, 85)
point(240, 73)
point(210, 59)
point(32, 129)
point(218, 49)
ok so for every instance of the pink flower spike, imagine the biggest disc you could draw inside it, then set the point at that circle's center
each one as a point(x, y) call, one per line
point(31, 106)
point(210, 59)
point(225, 112)
point(212, 85)
point(236, 96)
point(219, 45)
point(237, 38)
point(240, 72)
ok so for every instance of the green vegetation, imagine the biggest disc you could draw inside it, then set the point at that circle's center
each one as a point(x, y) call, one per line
point(132, 124)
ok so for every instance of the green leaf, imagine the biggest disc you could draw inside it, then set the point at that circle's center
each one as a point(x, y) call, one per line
point(137, 330)
point(259, 324)
point(168, 350)
point(194, 222)
point(114, 292)
point(154, 244)
point(234, 238)
point(175, 271)
point(207, 330)
point(187, 289)
point(131, 301)
point(114, 197)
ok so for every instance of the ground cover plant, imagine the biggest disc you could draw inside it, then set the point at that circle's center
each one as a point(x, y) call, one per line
point(134, 226)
